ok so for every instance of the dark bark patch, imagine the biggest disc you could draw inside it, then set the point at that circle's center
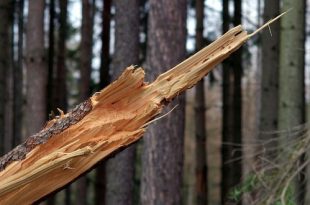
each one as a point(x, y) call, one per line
point(20, 152)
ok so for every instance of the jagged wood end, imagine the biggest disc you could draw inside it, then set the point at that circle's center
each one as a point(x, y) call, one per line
point(110, 120)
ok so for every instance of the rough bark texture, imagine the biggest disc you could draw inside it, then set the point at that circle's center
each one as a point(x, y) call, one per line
point(36, 68)
point(201, 194)
point(269, 81)
point(121, 167)
point(163, 144)
point(291, 74)
point(72, 144)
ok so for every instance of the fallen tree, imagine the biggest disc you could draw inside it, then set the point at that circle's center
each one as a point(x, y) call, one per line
point(110, 120)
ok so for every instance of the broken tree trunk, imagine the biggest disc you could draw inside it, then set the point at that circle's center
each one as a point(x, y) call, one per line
point(110, 120)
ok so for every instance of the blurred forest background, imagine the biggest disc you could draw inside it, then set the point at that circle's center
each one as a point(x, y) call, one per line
point(246, 116)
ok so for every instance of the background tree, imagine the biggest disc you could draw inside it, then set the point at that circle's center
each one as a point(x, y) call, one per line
point(85, 71)
point(5, 75)
point(163, 144)
point(269, 81)
point(227, 112)
point(292, 74)
point(232, 110)
point(18, 76)
point(36, 67)
point(121, 167)
point(100, 186)
point(200, 130)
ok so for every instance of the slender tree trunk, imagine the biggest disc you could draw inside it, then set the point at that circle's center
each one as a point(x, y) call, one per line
point(86, 65)
point(18, 77)
point(269, 82)
point(51, 54)
point(50, 79)
point(86, 48)
point(163, 144)
point(200, 120)
point(6, 72)
point(100, 187)
point(121, 167)
point(105, 39)
point(237, 116)
point(61, 72)
point(227, 123)
point(291, 75)
point(36, 68)
point(232, 110)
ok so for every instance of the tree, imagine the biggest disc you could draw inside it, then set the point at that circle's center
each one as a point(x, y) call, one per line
point(227, 119)
point(121, 167)
point(269, 81)
point(86, 60)
point(36, 67)
point(5, 75)
point(163, 144)
point(18, 76)
point(291, 74)
point(200, 133)
point(232, 109)
point(100, 185)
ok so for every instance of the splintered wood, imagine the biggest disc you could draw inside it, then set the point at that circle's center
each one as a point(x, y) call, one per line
point(110, 120)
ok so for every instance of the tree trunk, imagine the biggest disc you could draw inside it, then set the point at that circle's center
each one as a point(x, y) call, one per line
point(36, 68)
point(86, 48)
point(51, 54)
point(232, 110)
point(269, 81)
point(121, 167)
point(109, 121)
point(291, 75)
point(4, 66)
point(162, 159)
point(237, 100)
point(8, 21)
point(18, 77)
point(100, 186)
point(85, 84)
point(227, 115)
point(61, 72)
point(201, 193)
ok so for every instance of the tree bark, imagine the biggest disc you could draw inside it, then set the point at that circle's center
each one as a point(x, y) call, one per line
point(291, 76)
point(162, 159)
point(232, 110)
point(100, 186)
point(110, 120)
point(201, 193)
point(36, 68)
point(269, 81)
point(227, 115)
point(5, 68)
point(237, 100)
point(86, 48)
point(85, 84)
point(18, 77)
point(121, 167)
